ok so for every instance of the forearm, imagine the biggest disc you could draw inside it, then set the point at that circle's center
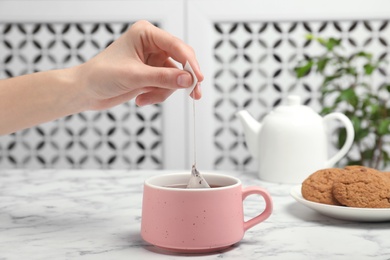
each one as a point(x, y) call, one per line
point(32, 99)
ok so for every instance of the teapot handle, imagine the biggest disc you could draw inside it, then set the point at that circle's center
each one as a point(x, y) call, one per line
point(349, 140)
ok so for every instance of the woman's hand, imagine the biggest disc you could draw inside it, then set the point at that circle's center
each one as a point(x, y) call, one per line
point(138, 65)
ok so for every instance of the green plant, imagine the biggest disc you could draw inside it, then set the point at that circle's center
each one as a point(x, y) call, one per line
point(347, 88)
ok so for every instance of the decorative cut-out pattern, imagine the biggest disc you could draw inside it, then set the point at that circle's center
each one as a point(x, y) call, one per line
point(123, 137)
point(254, 71)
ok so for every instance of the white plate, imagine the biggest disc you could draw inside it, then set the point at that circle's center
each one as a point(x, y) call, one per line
point(345, 213)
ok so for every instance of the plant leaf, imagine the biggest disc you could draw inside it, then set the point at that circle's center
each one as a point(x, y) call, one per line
point(369, 68)
point(383, 127)
point(303, 70)
point(348, 95)
point(327, 110)
point(363, 54)
point(310, 36)
point(342, 137)
point(332, 42)
point(329, 79)
point(321, 64)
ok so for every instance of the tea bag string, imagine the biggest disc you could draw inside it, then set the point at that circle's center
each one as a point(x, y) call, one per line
point(190, 92)
point(194, 126)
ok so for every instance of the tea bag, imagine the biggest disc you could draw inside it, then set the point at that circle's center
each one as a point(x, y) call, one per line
point(196, 179)
point(187, 67)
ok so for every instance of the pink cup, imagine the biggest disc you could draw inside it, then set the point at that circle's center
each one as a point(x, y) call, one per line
point(197, 220)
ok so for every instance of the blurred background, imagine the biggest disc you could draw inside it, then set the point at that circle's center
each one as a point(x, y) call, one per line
point(246, 49)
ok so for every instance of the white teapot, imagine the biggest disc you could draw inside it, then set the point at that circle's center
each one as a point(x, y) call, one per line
point(292, 142)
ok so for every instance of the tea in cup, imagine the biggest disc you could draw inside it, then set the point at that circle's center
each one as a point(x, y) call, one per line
point(197, 220)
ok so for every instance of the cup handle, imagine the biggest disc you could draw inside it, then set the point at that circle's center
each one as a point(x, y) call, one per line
point(268, 206)
point(348, 141)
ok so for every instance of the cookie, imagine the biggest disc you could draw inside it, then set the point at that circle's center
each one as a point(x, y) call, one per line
point(318, 186)
point(363, 188)
point(387, 174)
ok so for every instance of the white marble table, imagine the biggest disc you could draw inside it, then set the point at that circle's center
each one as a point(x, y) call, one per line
point(80, 214)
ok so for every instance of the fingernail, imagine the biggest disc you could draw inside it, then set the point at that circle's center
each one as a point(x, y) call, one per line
point(184, 80)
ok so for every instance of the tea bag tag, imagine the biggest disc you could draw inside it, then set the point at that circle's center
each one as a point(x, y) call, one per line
point(187, 67)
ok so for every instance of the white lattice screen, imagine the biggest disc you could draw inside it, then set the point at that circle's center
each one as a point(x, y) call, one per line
point(246, 50)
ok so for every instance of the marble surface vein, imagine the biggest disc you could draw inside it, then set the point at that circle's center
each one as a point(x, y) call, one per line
point(96, 214)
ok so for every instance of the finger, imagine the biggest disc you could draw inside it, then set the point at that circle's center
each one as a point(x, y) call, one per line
point(182, 53)
point(174, 47)
point(167, 78)
point(160, 59)
point(154, 96)
point(197, 92)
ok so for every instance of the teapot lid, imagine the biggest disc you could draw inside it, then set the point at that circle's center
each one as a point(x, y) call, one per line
point(293, 100)
point(294, 106)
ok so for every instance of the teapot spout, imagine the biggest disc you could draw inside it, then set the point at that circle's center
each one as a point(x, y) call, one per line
point(251, 131)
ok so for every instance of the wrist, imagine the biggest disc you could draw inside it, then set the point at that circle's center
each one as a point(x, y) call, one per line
point(68, 92)
point(75, 80)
